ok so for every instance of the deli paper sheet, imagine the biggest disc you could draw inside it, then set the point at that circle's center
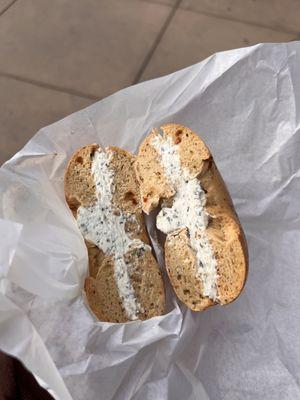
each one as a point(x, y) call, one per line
point(245, 104)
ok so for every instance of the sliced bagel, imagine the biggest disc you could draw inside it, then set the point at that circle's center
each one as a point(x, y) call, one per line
point(205, 249)
point(124, 281)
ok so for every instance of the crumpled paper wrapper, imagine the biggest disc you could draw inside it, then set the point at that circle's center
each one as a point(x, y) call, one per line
point(245, 104)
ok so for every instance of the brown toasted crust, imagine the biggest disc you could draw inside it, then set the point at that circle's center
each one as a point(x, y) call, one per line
point(182, 270)
point(127, 194)
point(157, 185)
point(96, 256)
point(101, 289)
point(224, 230)
point(79, 185)
point(102, 294)
point(147, 281)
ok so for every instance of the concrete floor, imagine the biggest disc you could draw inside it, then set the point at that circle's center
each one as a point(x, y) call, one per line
point(57, 56)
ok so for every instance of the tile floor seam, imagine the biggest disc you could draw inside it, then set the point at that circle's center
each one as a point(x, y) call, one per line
point(49, 86)
point(160, 2)
point(213, 15)
point(156, 42)
point(7, 7)
point(219, 16)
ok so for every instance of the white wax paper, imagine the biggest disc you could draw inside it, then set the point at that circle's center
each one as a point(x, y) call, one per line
point(245, 104)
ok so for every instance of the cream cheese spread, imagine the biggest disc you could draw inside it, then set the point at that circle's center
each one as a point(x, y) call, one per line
point(187, 211)
point(104, 225)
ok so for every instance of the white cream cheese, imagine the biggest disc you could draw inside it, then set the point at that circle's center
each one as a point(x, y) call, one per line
point(100, 225)
point(187, 211)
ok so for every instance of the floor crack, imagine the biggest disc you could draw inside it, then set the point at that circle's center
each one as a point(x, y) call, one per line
point(49, 86)
point(7, 7)
point(156, 42)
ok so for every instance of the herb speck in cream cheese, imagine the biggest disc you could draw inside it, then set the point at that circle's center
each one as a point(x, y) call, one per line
point(187, 211)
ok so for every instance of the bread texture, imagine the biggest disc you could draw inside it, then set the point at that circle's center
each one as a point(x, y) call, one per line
point(222, 233)
point(144, 277)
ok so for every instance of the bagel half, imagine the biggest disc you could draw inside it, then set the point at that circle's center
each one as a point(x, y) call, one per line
point(102, 190)
point(205, 249)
